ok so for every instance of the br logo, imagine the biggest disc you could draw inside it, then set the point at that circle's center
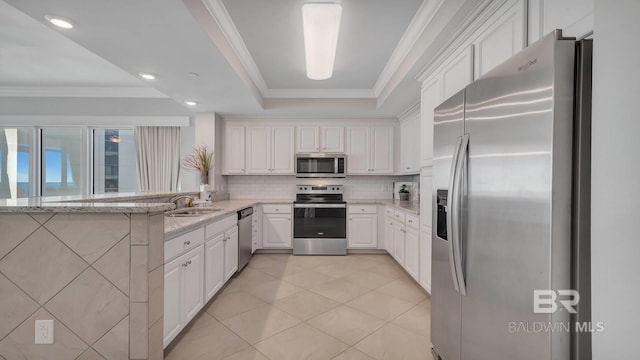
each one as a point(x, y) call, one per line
point(546, 301)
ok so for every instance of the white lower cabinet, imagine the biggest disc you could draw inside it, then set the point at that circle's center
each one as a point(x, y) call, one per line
point(183, 291)
point(398, 242)
point(362, 227)
point(425, 258)
point(193, 275)
point(388, 235)
point(277, 226)
point(412, 251)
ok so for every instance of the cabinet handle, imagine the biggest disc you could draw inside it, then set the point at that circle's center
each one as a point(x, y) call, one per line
point(408, 168)
point(362, 209)
point(241, 169)
point(187, 263)
point(289, 219)
point(277, 209)
point(350, 219)
point(187, 243)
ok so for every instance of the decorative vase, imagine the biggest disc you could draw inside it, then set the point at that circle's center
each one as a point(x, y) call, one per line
point(204, 178)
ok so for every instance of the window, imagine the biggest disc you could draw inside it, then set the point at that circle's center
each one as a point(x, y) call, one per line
point(15, 144)
point(114, 161)
point(62, 161)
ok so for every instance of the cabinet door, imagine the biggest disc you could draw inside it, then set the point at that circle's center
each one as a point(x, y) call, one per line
point(213, 266)
point(425, 259)
point(358, 150)
point(363, 231)
point(457, 72)
point(389, 234)
point(398, 242)
point(430, 98)
point(426, 200)
point(332, 139)
point(308, 139)
point(409, 146)
point(500, 38)
point(258, 149)
point(230, 252)
point(283, 153)
point(256, 235)
point(381, 149)
point(235, 150)
point(172, 291)
point(412, 252)
point(276, 231)
point(192, 283)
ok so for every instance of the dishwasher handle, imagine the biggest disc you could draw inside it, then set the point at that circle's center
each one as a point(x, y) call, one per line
point(245, 213)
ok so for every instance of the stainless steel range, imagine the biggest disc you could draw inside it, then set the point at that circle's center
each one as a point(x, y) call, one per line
point(320, 221)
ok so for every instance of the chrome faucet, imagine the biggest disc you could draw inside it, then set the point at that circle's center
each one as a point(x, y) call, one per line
point(176, 200)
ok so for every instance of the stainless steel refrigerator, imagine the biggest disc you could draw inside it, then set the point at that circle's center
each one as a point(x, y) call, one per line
point(511, 208)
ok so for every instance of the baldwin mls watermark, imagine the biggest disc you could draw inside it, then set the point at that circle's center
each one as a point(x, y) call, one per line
point(548, 302)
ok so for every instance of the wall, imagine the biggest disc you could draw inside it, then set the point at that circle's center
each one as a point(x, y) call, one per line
point(99, 276)
point(615, 173)
point(284, 187)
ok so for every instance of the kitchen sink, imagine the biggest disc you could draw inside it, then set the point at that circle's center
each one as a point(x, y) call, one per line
point(192, 212)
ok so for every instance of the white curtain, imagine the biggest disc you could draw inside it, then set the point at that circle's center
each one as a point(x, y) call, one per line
point(158, 158)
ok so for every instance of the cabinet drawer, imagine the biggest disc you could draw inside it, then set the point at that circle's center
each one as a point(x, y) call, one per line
point(399, 215)
point(389, 211)
point(412, 221)
point(182, 243)
point(276, 209)
point(363, 209)
point(220, 226)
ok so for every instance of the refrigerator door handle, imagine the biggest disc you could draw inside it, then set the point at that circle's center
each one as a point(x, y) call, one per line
point(456, 214)
point(450, 201)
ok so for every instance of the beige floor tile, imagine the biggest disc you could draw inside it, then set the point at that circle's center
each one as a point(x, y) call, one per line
point(227, 305)
point(405, 289)
point(307, 262)
point(259, 261)
point(346, 324)
point(353, 354)
point(281, 269)
point(418, 319)
point(392, 342)
point(336, 270)
point(247, 354)
point(307, 279)
point(250, 277)
point(305, 304)
point(206, 339)
point(368, 279)
point(301, 342)
point(380, 305)
point(393, 270)
point(340, 290)
point(260, 323)
point(273, 290)
point(363, 262)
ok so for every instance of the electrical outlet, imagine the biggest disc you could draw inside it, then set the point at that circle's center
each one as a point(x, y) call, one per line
point(44, 331)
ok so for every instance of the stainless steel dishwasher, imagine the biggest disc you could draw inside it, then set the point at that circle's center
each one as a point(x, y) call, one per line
point(245, 222)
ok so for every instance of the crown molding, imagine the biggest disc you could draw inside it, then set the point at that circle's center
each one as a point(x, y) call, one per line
point(319, 93)
point(410, 111)
point(423, 17)
point(77, 120)
point(253, 117)
point(81, 92)
point(221, 16)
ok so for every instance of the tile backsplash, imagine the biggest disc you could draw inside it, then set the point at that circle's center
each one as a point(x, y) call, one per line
point(284, 187)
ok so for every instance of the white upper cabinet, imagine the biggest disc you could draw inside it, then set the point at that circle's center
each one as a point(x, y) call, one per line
point(332, 139)
point(359, 158)
point(370, 150)
point(457, 73)
point(270, 150)
point(234, 150)
point(329, 139)
point(410, 144)
point(500, 38)
point(308, 139)
point(430, 98)
point(282, 156)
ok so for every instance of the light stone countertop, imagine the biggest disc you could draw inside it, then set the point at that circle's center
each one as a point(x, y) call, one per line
point(174, 226)
point(32, 205)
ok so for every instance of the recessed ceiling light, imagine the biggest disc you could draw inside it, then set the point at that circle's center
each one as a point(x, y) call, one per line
point(193, 74)
point(59, 22)
point(191, 103)
point(147, 76)
point(321, 25)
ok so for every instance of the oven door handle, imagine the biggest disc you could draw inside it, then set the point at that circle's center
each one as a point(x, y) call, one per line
point(320, 206)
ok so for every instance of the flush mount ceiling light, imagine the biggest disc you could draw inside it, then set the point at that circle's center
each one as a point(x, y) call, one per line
point(191, 103)
point(59, 22)
point(321, 22)
point(147, 76)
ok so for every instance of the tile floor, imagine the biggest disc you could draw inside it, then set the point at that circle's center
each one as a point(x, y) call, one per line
point(284, 307)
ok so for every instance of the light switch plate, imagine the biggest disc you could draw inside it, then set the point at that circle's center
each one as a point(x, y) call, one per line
point(44, 332)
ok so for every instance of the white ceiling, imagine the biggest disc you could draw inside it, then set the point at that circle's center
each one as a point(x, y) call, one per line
point(248, 54)
point(369, 32)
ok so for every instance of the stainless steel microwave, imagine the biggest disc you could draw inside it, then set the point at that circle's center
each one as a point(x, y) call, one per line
point(320, 165)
